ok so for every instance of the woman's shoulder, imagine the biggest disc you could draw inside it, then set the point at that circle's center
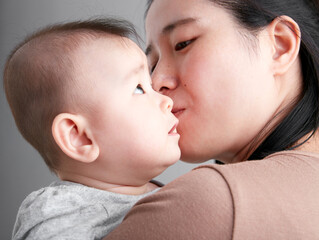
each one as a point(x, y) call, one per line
point(279, 175)
point(245, 200)
point(195, 204)
point(279, 165)
point(214, 179)
point(264, 192)
point(255, 194)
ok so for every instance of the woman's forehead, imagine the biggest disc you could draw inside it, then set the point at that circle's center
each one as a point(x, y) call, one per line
point(172, 10)
point(165, 12)
point(166, 15)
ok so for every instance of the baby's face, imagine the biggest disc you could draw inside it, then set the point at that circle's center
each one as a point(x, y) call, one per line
point(132, 124)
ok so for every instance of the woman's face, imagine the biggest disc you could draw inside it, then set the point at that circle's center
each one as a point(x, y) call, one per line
point(218, 76)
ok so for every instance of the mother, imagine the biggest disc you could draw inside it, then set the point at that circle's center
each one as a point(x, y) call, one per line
point(244, 79)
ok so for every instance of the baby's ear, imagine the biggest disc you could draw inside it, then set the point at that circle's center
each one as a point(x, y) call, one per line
point(286, 37)
point(72, 134)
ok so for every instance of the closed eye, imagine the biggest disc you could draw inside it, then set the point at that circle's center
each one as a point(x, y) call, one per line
point(152, 68)
point(178, 47)
point(139, 90)
point(181, 45)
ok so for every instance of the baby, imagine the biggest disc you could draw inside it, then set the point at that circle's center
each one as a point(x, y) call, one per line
point(81, 94)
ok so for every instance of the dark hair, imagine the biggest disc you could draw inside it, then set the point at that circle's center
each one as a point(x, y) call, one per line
point(303, 118)
point(38, 77)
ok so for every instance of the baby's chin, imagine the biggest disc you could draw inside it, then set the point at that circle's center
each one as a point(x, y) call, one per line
point(174, 159)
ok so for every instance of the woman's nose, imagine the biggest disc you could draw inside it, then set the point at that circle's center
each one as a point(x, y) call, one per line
point(164, 78)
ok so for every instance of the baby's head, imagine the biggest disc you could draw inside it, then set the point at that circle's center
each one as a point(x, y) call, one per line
point(81, 94)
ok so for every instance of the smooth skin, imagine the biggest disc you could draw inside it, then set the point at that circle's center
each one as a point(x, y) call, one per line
point(227, 85)
point(125, 135)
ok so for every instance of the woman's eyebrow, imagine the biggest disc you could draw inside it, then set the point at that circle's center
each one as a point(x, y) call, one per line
point(169, 28)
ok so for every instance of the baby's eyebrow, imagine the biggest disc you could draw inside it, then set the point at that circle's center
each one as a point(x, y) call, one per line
point(135, 71)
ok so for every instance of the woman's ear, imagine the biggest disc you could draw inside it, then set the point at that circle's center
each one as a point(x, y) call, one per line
point(73, 136)
point(285, 38)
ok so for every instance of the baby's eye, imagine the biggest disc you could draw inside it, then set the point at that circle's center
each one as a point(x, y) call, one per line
point(139, 90)
point(181, 45)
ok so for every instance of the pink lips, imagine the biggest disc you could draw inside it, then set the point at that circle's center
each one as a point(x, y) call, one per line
point(178, 111)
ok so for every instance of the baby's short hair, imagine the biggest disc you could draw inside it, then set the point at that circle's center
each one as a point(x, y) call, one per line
point(38, 78)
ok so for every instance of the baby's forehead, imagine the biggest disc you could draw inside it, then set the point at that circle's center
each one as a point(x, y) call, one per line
point(108, 55)
point(114, 44)
point(109, 48)
point(67, 43)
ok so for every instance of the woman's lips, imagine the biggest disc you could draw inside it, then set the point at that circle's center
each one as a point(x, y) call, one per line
point(178, 111)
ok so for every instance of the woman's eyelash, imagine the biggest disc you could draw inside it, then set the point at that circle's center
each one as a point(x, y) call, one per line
point(152, 68)
point(181, 45)
point(178, 47)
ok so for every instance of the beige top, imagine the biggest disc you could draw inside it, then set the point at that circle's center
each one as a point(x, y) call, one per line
point(275, 198)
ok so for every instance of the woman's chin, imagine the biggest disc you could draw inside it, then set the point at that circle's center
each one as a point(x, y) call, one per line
point(193, 158)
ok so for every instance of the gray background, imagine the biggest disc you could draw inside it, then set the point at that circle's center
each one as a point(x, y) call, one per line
point(22, 169)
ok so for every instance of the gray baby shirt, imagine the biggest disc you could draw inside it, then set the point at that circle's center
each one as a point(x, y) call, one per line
point(67, 210)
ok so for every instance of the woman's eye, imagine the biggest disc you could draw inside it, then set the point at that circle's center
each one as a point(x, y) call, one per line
point(152, 68)
point(181, 45)
point(139, 90)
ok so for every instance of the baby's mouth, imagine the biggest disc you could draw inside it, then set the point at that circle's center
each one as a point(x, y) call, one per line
point(173, 131)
